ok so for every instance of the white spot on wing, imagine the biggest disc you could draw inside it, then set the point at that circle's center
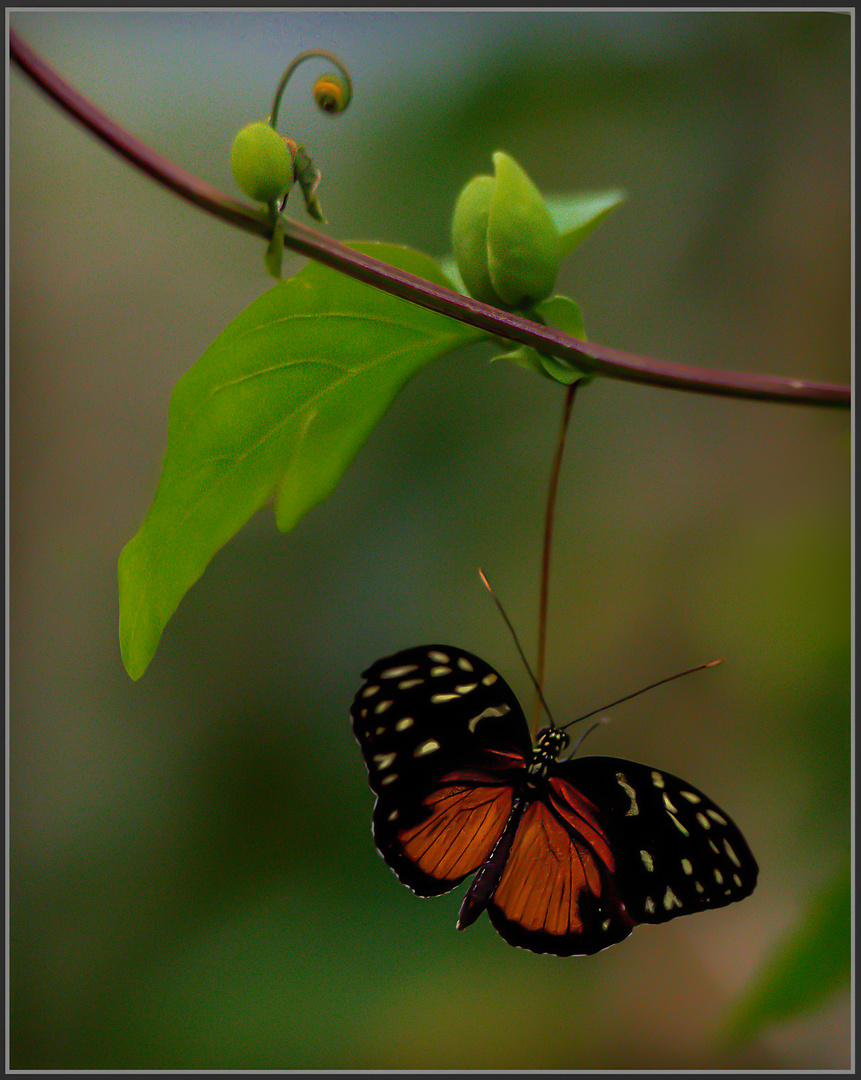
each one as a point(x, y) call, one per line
point(715, 816)
point(439, 699)
point(437, 656)
point(647, 861)
point(381, 706)
point(408, 684)
point(427, 747)
point(690, 796)
point(383, 761)
point(657, 779)
point(491, 710)
point(466, 688)
point(731, 853)
point(369, 691)
point(464, 664)
point(671, 900)
point(397, 672)
point(404, 723)
point(633, 809)
point(489, 679)
point(441, 670)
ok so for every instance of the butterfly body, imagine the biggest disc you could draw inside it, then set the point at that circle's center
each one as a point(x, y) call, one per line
point(568, 855)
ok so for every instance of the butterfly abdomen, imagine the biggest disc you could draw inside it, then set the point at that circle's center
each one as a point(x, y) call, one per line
point(484, 883)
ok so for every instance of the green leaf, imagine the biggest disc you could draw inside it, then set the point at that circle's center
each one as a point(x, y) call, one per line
point(565, 315)
point(577, 215)
point(279, 405)
point(806, 969)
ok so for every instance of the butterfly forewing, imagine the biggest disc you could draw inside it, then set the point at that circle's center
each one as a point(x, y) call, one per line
point(675, 851)
point(444, 740)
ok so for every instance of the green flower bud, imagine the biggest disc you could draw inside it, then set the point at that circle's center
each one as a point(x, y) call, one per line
point(505, 242)
point(261, 162)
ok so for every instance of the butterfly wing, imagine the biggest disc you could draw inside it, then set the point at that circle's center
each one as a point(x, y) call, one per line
point(610, 844)
point(676, 851)
point(558, 892)
point(444, 740)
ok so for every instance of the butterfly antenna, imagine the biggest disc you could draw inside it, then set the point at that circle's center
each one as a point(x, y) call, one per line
point(651, 686)
point(513, 633)
point(588, 731)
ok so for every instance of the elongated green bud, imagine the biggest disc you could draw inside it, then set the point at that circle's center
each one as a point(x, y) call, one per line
point(505, 243)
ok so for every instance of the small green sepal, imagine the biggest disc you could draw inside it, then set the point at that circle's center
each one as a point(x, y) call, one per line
point(565, 315)
point(274, 256)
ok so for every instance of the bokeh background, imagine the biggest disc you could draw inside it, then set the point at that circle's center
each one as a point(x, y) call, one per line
point(193, 881)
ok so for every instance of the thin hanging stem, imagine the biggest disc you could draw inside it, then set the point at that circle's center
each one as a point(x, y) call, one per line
point(549, 519)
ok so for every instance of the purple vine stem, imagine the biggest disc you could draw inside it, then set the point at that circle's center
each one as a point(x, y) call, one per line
point(592, 357)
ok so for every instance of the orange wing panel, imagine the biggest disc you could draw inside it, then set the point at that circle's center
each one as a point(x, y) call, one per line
point(544, 875)
point(464, 824)
point(556, 893)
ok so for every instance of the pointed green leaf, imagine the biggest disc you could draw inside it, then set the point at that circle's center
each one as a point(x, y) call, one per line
point(807, 969)
point(279, 405)
point(577, 215)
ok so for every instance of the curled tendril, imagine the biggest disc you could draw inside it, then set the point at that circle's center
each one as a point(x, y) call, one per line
point(332, 92)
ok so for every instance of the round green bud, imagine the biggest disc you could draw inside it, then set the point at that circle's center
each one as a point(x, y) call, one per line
point(261, 162)
point(504, 240)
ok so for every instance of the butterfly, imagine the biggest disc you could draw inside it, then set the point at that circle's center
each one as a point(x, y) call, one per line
point(569, 856)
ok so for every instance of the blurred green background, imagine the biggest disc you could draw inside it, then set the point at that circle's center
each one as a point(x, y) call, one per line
point(193, 880)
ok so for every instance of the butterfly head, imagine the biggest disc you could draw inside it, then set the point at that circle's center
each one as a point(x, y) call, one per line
point(549, 745)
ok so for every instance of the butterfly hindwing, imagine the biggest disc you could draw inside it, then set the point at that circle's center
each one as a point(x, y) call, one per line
point(443, 738)
point(609, 844)
point(675, 851)
point(557, 893)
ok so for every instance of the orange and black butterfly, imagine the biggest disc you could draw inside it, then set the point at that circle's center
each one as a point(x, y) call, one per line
point(570, 855)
